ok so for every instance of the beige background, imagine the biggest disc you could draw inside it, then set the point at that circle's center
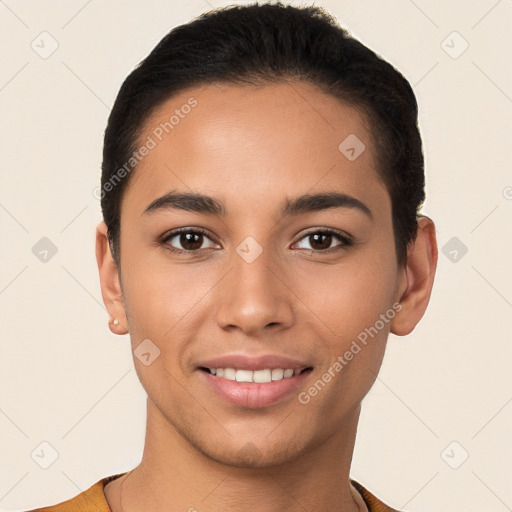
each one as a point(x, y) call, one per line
point(66, 380)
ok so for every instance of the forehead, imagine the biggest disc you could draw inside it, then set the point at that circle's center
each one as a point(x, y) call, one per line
point(249, 142)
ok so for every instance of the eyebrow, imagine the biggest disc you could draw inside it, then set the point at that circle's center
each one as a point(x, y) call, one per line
point(306, 203)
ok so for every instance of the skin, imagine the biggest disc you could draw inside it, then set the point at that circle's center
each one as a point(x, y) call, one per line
point(251, 148)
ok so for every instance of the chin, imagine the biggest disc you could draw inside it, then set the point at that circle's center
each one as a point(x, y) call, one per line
point(252, 455)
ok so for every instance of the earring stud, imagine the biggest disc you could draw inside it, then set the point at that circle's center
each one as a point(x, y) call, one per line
point(116, 321)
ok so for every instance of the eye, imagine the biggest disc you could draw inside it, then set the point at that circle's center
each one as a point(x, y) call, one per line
point(321, 240)
point(191, 240)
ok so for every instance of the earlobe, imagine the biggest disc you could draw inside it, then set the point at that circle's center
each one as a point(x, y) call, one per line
point(110, 283)
point(419, 278)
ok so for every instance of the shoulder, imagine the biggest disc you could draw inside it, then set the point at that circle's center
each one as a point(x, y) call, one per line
point(91, 499)
point(373, 503)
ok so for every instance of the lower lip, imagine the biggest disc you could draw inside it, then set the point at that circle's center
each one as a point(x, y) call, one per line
point(254, 395)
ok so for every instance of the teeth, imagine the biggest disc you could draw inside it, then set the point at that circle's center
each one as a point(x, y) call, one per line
point(277, 374)
point(244, 376)
point(230, 373)
point(258, 376)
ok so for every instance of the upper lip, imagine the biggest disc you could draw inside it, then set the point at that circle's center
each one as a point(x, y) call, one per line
point(246, 362)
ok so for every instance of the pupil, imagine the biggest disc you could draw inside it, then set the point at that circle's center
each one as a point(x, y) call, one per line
point(187, 239)
point(324, 245)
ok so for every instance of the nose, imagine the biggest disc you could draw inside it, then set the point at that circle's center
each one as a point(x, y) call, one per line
point(254, 296)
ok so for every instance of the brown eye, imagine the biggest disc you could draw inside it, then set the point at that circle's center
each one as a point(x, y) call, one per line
point(322, 240)
point(191, 241)
point(187, 240)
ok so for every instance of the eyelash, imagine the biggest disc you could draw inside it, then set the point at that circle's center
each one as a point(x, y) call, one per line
point(345, 240)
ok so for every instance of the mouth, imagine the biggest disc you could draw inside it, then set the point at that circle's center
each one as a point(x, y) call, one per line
point(261, 376)
point(253, 382)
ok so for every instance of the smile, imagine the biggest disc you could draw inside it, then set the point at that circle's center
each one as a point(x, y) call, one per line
point(254, 389)
point(257, 376)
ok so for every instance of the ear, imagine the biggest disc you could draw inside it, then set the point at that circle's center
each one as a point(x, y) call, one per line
point(418, 278)
point(111, 290)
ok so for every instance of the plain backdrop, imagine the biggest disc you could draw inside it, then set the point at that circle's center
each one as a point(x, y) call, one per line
point(435, 431)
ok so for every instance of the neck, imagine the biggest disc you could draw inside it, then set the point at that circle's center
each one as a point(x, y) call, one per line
point(175, 476)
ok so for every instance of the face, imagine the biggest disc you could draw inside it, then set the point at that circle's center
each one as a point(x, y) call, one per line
point(256, 278)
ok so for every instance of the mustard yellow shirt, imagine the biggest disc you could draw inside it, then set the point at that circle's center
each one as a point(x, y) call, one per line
point(93, 499)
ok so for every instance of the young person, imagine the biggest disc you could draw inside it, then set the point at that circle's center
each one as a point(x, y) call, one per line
point(261, 188)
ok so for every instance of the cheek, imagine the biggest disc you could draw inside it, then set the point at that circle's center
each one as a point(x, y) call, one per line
point(353, 307)
point(158, 292)
point(353, 327)
point(349, 296)
point(352, 318)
